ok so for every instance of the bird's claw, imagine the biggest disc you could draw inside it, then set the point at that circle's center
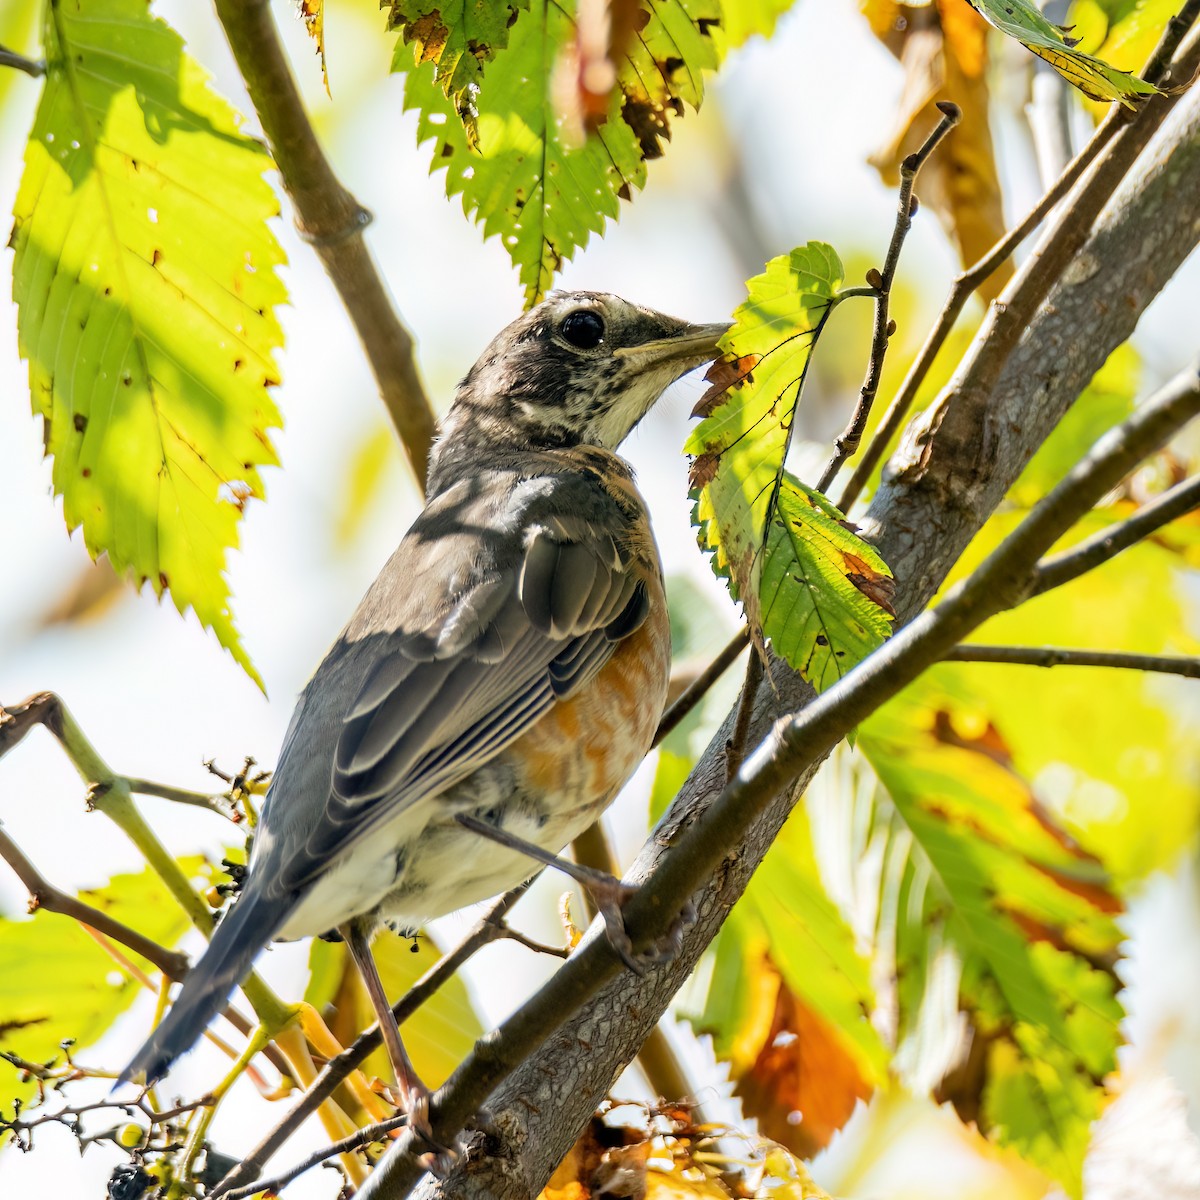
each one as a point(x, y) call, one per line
point(414, 1103)
point(610, 900)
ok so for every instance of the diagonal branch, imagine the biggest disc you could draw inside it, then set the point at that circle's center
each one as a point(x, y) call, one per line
point(1175, 502)
point(941, 489)
point(330, 218)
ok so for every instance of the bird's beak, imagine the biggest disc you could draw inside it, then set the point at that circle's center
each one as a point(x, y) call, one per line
point(691, 346)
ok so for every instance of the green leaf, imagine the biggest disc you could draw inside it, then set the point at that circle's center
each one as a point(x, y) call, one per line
point(57, 982)
point(1097, 80)
point(145, 279)
point(526, 172)
point(825, 594)
point(978, 903)
point(743, 19)
point(807, 581)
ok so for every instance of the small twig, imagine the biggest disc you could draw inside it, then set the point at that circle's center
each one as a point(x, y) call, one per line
point(362, 1137)
point(488, 929)
point(1175, 502)
point(43, 894)
point(698, 688)
point(848, 442)
point(515, 935)
point(35, 68)
point(331, 220)
point(735, 748)
point(1148, 118)
point(1058, 656)
point(165, 791)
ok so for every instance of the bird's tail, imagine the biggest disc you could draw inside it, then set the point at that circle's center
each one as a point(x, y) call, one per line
point(247, 928)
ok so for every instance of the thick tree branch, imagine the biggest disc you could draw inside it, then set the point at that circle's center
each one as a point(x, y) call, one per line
point(330, 218)
point(1059, 656)
point(942, 487)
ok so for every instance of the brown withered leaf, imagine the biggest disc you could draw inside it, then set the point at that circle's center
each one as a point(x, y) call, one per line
point(724, 374)
point(803, 1085)
point(873, 584)
point(943, 49)
point(703, 470)
point(605, 1161)
point(313, 12)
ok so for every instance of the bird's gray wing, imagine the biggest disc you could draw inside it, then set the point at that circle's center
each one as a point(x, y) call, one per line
point(454, 653)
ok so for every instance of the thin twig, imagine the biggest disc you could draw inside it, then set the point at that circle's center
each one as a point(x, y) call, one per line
point(488, 929)
point(1175, 502)
point(362, 1137)
point(43, 894)
point(515, 935)
point(332, 220)
point(35, 68)
point(698, 688)
point(165, 791)
point(1059, 656)
point(848, 442)
point(1147, 118)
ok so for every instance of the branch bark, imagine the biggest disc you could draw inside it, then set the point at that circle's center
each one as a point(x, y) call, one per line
point(331, 220)
point(953, 468)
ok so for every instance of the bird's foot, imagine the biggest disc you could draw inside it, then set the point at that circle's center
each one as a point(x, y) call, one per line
point(610, 897)
point(413, 1102)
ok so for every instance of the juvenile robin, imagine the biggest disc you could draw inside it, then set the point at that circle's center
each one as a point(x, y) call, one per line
point(498, 684)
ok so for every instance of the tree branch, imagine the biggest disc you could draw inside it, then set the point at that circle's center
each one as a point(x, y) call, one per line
point(43, 894)
point(1175, 502)
point(698, 688)
point(847, 442)
point(332, 220)
point(1058, 656)
point(939, 492)
point(1147, 120)
point(488, 929)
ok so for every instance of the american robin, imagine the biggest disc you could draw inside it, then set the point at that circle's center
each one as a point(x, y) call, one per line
point(501, 679)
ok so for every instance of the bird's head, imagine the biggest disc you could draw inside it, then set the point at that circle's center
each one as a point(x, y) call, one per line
point(581, 368)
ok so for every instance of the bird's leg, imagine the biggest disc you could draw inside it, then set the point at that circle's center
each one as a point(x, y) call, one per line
point(414, 1095)
point(609, 894)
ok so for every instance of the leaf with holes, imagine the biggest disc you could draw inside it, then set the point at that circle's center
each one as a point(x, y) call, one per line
point(145, 280)
point(458, 38)
point(527, 169)
point(1094, 77)
point(807, 581)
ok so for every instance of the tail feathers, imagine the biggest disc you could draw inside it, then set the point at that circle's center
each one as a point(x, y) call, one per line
point(250, 925)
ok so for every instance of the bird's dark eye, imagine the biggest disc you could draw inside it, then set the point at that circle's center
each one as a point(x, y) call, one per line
point(583, 329)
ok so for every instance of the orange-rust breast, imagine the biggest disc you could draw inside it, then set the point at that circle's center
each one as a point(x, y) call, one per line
point(586, 747)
